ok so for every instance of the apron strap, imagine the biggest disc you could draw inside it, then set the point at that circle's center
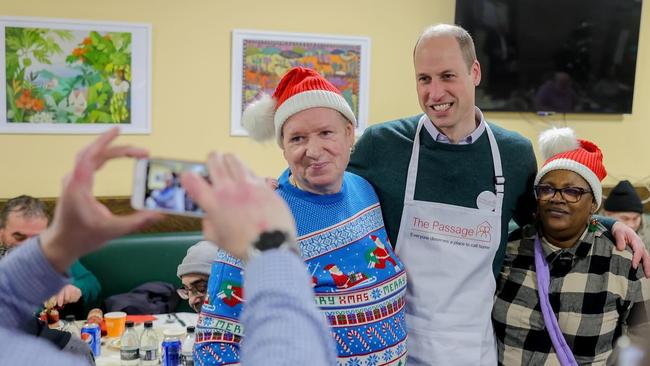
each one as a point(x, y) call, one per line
point(499, 179)
point(412, 173)
point(562, 349)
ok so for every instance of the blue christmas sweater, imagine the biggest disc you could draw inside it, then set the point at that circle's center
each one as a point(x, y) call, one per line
point(359, 283)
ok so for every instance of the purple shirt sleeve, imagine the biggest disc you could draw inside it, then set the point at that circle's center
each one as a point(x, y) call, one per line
point(282, 324)
point(30, 279)
point(26, 280)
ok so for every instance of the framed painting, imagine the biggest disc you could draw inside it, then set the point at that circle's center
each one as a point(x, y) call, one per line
point(74, 77)
point(259, 59)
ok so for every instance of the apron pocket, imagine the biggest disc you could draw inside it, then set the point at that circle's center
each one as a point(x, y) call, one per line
point(444, 346)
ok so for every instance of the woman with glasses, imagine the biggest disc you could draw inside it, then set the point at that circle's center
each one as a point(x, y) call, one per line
point(565, 293)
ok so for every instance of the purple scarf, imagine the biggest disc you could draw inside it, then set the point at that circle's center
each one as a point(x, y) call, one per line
point(562, 349)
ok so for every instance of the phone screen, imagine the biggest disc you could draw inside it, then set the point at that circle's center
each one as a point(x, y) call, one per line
point(163, 190)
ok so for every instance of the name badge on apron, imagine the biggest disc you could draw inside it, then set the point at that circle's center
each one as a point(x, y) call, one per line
point(486, 200)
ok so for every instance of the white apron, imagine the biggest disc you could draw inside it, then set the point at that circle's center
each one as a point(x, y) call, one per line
point(448, 252)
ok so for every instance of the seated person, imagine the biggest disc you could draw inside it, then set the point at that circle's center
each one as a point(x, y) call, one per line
point(194, 272)
point(171, 196)
point(359, 283)
point(624, 204)
point(557, 94)
point(23, 217)
point(565, 293)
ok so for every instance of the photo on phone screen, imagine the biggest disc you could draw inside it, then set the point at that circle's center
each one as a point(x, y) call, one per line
point(157, 186)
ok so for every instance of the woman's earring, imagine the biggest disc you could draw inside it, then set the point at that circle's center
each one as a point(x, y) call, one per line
point(352, 149)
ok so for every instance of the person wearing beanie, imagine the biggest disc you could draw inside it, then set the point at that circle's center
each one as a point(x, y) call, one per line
point(194, 272)
point(340, 231)
point(624, 204)
point(565, 293)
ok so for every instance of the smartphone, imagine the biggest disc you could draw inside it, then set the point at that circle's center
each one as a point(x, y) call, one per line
point(157, 186)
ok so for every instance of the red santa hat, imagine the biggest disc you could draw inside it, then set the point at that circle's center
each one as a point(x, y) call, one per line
point(300, 88)
point(330, 266)
point(562, 150)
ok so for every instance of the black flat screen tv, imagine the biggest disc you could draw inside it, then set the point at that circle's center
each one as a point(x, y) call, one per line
point(563, 56)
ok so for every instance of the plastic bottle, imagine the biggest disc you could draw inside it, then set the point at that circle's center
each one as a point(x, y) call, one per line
point(71, 326)
point(149, 346)
point(187, 350)
point(129, 346)
point(171, 346)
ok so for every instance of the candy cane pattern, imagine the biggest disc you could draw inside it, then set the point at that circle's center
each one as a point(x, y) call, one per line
point(358, 336)
point(234, 350)
point(341, 342)
point(399, 325)
point(213, 354)
point(200, 359)
point(372, 331)
point(387, 328)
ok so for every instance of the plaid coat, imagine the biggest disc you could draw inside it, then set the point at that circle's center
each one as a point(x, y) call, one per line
point(594, 291)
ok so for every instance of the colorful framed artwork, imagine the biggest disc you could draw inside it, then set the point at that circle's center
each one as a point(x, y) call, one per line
point(74, 77)
point(259, 59)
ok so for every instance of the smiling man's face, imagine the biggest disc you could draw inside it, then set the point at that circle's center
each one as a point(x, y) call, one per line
point(446, 83)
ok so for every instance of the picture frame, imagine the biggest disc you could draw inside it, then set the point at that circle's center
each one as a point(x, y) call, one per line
point(260, 58)
point(62, 76)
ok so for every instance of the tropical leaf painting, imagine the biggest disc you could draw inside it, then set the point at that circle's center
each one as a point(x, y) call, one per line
point(265, 61)
point(67, 76)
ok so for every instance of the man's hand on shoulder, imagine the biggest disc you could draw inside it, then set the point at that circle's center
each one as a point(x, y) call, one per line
point(625, 236)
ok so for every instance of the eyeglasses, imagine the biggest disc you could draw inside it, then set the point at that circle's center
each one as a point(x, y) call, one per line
point(545, 192)
point(198, 288)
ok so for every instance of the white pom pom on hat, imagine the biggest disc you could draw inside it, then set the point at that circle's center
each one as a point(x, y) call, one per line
point(557, 140)
point(300, 88)
point(258, 118)
point(562, 150)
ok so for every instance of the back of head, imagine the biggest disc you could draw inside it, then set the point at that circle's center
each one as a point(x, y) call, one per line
point(463, 38)
point(27, 206)
point(623, 198)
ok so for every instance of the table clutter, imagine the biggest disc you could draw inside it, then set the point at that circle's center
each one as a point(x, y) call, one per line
point(165, 339)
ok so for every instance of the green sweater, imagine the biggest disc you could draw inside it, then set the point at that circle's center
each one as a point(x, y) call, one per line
point(451, 174)
point(87, 283)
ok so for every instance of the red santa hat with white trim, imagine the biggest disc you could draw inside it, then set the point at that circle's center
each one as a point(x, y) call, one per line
point(562, 150)
point(300, 88)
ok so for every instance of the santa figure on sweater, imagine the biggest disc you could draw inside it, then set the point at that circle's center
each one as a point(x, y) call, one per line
point(379, 255)
point(342, 280)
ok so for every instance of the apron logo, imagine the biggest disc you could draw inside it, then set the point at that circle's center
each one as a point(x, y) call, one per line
point(484, 229)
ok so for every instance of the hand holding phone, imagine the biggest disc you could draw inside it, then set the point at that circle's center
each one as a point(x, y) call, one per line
point(239, 205)
point(157, 186)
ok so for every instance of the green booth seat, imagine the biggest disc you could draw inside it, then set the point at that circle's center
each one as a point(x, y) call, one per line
point(127, 262)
